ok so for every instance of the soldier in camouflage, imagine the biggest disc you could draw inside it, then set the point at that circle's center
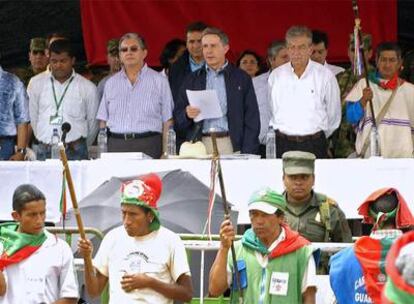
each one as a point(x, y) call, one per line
point(314, 215)
point(343, 140)
point(38, 60)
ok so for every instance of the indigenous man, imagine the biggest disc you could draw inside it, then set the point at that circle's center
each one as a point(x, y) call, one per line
point(142, 261)
point(393, 102)
point(277, 263)
point(357, 273)
point(35, 266)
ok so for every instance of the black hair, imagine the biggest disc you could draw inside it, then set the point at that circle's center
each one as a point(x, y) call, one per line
point(255, 55)
point(385, 203)
point(319, 36)
point(61, 46)
point(197, 26)
point(170, 51)
point(389, 46)
point(24, 194)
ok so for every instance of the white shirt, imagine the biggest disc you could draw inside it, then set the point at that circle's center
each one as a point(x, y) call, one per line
point(309, 276)
point(79, 107)
point(160, 254)
point(261, 88)
point(334, 68)
point(305, 105)
point(44, 277)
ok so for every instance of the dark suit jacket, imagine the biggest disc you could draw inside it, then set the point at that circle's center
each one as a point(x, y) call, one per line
point(242, 110)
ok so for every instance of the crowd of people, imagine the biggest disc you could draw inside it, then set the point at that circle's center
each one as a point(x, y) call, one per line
point(314, 110)
point(144, 262)
point(310, 105)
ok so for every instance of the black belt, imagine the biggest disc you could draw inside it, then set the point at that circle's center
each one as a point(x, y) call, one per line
point(68, 144)
point(8, 137)
point(218, 134)
point(297, 138)
point(127, 136)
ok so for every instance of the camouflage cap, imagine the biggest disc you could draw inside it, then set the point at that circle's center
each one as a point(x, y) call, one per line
point(37, 44)
point(112, 46)
point(366, 39)
point(298, 162)
point(267, 201)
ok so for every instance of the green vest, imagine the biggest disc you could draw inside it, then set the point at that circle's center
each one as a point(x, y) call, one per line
point(294, 263)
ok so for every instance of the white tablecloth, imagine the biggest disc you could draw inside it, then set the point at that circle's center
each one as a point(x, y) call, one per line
point(347, 181)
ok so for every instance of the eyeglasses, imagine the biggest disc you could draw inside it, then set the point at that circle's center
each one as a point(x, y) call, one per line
point(132, 49)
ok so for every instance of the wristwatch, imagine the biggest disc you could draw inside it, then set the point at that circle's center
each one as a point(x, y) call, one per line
point(21, 151)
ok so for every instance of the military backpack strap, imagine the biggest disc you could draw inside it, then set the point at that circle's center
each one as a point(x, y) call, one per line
point(324, 210)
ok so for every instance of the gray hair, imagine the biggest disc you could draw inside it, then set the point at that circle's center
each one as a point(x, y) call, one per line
point(24, 194)
point(218, 32)
point(298, 31)
point(275, 47)
point(141, 41)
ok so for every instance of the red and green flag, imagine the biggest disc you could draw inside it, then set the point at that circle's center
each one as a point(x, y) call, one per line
point(17, 246)
point(371, 254)
point(397, 290)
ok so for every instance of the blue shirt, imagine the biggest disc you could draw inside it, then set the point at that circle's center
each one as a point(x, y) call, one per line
point(215, 81)
point(347, 278)
point(354, 112)
point(194, 66)
point(14, 105)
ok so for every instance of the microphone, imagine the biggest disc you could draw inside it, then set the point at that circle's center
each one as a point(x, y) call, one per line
point(65, 130)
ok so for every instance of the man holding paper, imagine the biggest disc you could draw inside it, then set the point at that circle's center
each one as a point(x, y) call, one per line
point(237, 127)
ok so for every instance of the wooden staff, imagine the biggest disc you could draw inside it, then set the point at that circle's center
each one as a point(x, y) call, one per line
point(64, 159)
point(216, 157)
point(364, 59)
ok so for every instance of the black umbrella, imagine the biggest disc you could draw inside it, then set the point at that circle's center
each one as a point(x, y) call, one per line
point(183, 205)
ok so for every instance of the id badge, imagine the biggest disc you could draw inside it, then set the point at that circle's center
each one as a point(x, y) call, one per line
point(56, 120)
point(279, 283)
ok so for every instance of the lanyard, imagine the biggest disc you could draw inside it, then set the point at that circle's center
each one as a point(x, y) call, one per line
point(58, 103)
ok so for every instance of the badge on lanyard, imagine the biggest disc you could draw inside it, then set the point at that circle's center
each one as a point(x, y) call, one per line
point(57, 120)
point(279, 283)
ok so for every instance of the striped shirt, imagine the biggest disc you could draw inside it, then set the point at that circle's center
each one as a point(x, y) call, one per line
point(136, 108)
point(14, 107)
point(215, 81)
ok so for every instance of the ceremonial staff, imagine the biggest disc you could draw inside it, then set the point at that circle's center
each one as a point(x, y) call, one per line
point(216, 158)
point(64, 159)
point(359, 49)
point(361, 53)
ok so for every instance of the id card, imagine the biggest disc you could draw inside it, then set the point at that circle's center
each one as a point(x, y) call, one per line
point(279, 283)
point(55, 120)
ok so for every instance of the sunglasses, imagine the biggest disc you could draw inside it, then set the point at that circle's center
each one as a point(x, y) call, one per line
point(132, 49)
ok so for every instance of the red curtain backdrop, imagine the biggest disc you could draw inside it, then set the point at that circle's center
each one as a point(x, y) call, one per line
point(249, 24)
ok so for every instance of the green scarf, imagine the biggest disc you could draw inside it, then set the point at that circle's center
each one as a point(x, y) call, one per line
point(17, 246)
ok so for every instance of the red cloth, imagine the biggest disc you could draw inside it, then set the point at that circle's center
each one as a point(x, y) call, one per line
point(404, 218)
point(292, 242)
point(250, 24)
point(391, 268)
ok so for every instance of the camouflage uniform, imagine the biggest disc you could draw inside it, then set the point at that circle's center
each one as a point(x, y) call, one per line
point(320, 219)
point(343, 140)
point(312, 223)
point(25, 74)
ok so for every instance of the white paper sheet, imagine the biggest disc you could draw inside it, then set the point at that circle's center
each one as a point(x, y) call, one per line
point(208, 103)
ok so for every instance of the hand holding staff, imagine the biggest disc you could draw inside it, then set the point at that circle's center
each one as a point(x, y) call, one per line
point(64, 159)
